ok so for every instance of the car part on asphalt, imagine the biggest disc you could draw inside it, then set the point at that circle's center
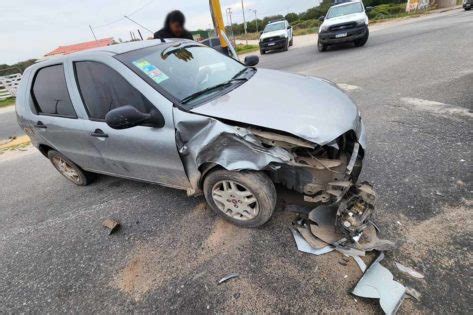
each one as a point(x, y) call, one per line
point(414, 293)
point(377, 283)
point(408, 270)
point(303, 245)
point(111, 224)
point(228, 277)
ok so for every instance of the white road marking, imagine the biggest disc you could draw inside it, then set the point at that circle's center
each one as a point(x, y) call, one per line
point(348, 87)
point(437, 108)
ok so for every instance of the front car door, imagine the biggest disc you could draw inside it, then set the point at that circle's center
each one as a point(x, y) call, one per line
point(102, 83)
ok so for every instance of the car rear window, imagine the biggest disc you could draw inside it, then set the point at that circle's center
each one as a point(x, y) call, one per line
point(50, 94)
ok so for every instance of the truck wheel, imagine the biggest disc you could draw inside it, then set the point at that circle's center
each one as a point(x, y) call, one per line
point(291, 43)
point(262, 51)
point(321, 47)
point(286, 46)
point(69, 170)
point(244, 198)
point(362, 41)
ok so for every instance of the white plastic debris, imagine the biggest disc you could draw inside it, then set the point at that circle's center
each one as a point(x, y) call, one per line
point(411, 272)
point(304, 247)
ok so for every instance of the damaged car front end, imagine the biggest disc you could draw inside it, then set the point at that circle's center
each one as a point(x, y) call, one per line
point(312, 145)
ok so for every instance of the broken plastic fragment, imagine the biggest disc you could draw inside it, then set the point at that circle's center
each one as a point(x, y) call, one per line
point(228, 277)
point(414, 293)
point(111, 224)
point(377, 283)
point(411, 272)
point(313, 241)
point(370, 241)
point(360, 263)
point(304, 247)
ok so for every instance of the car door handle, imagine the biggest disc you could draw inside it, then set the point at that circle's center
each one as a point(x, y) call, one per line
point(40, 125)
point(98, 133)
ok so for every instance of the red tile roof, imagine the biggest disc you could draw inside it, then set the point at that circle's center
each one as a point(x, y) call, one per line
point(64, 50)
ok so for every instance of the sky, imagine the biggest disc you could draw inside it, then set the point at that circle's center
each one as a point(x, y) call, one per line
point(31, 28)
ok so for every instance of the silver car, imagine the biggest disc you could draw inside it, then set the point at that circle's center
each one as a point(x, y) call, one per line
point(183, 115)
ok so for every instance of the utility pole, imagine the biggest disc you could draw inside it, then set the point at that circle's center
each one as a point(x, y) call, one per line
point(229, 16)
point(92, 30)
point(256, 19)
point(244, 20)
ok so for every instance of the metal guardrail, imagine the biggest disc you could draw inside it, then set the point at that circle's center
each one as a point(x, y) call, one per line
point(9, 85)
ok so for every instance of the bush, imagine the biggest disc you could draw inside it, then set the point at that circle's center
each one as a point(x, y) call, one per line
point(306, 24)
point(387, 10)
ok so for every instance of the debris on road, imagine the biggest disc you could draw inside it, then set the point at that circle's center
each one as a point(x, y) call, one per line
point(408, 270)
point(112, 225)
point(414, 293)
point(228, 277)
point(377, 283)
point(303, 245)
point(360, 263)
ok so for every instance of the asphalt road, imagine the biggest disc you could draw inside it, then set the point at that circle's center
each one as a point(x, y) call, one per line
point(412, 82)
point(8, 125)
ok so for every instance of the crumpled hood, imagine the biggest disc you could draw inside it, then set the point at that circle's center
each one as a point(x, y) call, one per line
point(308, 107)
point(273, 33)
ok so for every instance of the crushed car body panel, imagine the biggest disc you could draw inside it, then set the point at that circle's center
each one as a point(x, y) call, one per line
point(319, 115)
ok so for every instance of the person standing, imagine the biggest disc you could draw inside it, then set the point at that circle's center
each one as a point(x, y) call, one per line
point(174, 27)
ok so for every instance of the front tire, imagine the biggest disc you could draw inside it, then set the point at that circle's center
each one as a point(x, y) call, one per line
point(262, 51)
point(362, 41)
point(291, 43)
point(321, 47)
point(69, 169)
point(244, 198)
point(286, 47)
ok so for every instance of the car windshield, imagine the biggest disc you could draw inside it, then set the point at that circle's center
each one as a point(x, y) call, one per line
point(274, 27)
point(344, 10)
point(184, 70)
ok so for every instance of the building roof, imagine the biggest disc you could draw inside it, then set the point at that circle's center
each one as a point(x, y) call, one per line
point(69, 49)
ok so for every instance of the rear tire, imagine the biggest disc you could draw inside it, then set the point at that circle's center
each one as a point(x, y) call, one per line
point(244, 198)
point(69, 169)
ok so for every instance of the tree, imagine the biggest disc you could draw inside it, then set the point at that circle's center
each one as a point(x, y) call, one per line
point(292, 17)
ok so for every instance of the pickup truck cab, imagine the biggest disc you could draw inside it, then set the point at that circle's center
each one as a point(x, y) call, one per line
point(346, 22)
point(276, 35)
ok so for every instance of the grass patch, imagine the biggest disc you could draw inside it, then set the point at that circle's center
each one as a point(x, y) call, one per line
point(305, 31)
point(7, 102)
point(243, 49)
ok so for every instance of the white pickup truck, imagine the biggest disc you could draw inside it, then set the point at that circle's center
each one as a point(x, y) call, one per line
point(346, 22)
point(276, 35)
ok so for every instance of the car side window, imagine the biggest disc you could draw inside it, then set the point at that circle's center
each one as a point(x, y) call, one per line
point(50, 94)
point(103, 89)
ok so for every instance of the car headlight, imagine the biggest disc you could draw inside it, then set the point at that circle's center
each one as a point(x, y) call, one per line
point(323, 28)
point(361, 22)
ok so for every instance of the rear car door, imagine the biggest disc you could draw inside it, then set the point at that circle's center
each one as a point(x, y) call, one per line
point(142, 152)
point(55, 120)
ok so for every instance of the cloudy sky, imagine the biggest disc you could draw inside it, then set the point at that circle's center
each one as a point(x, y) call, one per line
point(31, 28)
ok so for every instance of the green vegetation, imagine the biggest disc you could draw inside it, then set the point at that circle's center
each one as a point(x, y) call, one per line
point(243, 49)
point(16, 68)
point(7, 102)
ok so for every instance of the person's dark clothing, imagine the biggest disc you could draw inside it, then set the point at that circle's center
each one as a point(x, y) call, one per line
point(165, 32)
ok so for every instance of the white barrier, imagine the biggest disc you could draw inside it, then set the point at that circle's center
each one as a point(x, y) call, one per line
point(9, 85)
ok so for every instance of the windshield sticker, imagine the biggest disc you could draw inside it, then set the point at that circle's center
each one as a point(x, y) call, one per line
point(151, 70)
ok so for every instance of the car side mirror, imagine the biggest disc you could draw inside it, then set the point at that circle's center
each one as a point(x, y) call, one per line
point(261, 33)
point(368, 9)
point(289, 27)
point(322, 18)
point(127, 116)
point(251, 61)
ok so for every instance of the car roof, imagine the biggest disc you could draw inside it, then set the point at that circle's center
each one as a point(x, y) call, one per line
point(277, 22)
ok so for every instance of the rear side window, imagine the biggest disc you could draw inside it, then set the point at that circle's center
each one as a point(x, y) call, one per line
point(50, 93)
point(103, 89)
